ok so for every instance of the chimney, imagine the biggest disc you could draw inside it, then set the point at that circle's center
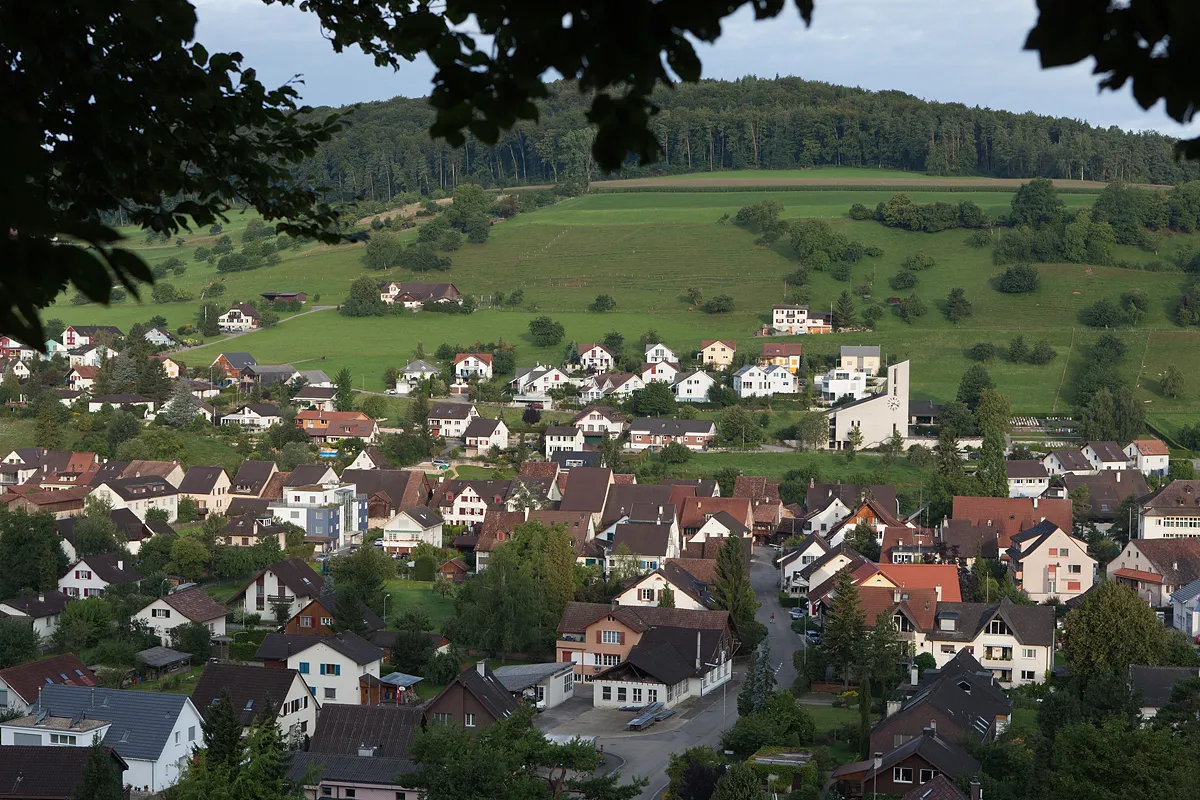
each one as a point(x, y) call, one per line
point(42, 596)
point(930, 732)
point(892, 707)
point(366, 750)
point(481, 668)
point(1118, 475)
point(697, 651)
point(120, 564)
point(976, 789)
point(914, 675)
point(937, 590)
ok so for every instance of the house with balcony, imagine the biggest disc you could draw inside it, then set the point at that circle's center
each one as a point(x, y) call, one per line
point(1171, 512)
point(789, 355)
point(660, 372)
point(1027, 478)
point(291, 582)
point(600, 421)
point(242, 317)
point(1157, 569)
point(659, 353)
point(755, 381)
point(139, 495)
point(563, 439)
point(797, 558)
point(1046, 561)
point(1015, 643)
point(450, 420)
point(537, 381)
point(333, 515)
point(411, 527)
point(678, 576)
point(1149, 456)
point(839, 384)
point(253, 416)
point(596, 358)
point(790, 320)
point(473, 366)
point(470, 502)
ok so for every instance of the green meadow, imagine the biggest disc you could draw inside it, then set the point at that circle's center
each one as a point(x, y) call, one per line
point(647, 249)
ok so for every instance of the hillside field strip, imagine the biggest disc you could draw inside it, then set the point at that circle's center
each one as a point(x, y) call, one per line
point(646, 249)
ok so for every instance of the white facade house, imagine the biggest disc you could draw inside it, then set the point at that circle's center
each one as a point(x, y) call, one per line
point(619, 385)
point(1105, 456)
point(291, 581)
point(167, 613)
point(596, 358)
point(1172, 512)
point(648, 591)
point(543, 686)
point(139, 495)
point(839, 383)
point(600, 420)
point(483, 434)
point(42, 610)
point(238, 318)
point(563, 439)
point(693, 387)
point(1017, 648)
point(254, 689)
point(660, 372)
point(332, 667)
point(253, 416)
point(1068, 462)
point(416, 371)
point(1027, 478)
point(658, 353)
point(662, 673)
point(473, 365)
point(1185, 602)
point(1149, 456)
point(450, 420)
point(877, 416)
point(90, 576)
point(794, 320)
point(537, 381)
point(407, 529)
point(755, 381)
point(156, 733)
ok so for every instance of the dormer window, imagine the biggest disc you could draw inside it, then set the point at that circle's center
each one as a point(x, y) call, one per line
point(997, 628)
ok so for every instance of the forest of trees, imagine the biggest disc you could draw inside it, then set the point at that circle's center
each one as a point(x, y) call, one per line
point(785, 123)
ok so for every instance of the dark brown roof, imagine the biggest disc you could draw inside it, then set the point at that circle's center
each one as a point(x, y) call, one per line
point(344, 728)
point(587, 489)
point(27, 679)
point(1033, 625)
point(1072, 459)
point(450, 411)
point(1109, 452)
point(403, 489)
point(295, 574)
point(1026, 468)
point(940, 788)
point(1155, 684)
point(539, 469)
point(29, 772)
point(485, 688)
point(279, 646)
point(643, 538)
point(196, 605)
point(247, 505)
point(623, 497)
point(755, 487)
point(1107, 489)
point(147, 486)
point(821, 494)
point(1177, 560)
point(43, 604)
point(251, 477)
point(200, 480)
point(252, 689)
point(111, 567)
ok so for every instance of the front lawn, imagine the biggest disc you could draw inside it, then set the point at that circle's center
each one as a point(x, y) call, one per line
point(418, 594)
point(828, 718)
point(175, 683)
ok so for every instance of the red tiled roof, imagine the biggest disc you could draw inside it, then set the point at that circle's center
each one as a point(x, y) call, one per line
point(1011, 515)
point(702, 569)
point(1138, 575)
point(729, 342)
point(624, 478)
point(1151, 447)
point(924, 576)
point(63, 670)
point(486, 358)
point(696, 510)
point(919, 604)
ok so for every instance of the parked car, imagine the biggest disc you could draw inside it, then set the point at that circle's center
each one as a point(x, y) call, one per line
point(441, 463)
point(796, 613)
point(814, 638)
point(393, 391)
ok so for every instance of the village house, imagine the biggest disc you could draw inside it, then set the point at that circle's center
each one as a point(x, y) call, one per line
point(73, 716)
point(413, 296)
point(170, 471)
point(170, 366)
point(797, 558)
point(20, 370)
point(563, 439)
point(877, 417)
point(642, 546)
point(359, 752)
point(331, 427)
point(841, 384)
point(1185, 605)
point(985, 525)
point(789, 355)
point(42, 610)
point(227, 367)
point(418, 370)
point(693, 387)
point(543, 686)
point(140, 406)
point(60, 503)
point(266, 376)
point(860, 358)
point(475, 699)
point(450, 420)
point(333, 515)
point(654, 434)
point(208, 487)
point(252, 477)
point(1149, 456)
point(659, 353)
point(816, 580)
point(1171, 512)
point(469, 502)
point(79, 378)
point(316, 618)
point(253, 416)
point(920, 762)
point(1157, 569)
point(586, 491)
point(1046, 562)
point(1068, 462)
point(1105, 455)
point(597, 636)
point(249, 529)
point(242, 317)
point(468, 366)
point(411, 527)
point(80, 335)
point(139, 495)
point(537, 381)
point(10, 348)
point(291, 582)
point(790, 320)
point(315, 398)
point(21, 685)
point(168, 612)
point(370, 457)
point(333, 666)
point(483, 434)
point(388, 491)
point(1015, 643)
point(91, 576)
point(1107, 490)
point(660, 372)
point(253, 689)
point(755, 381)
point(596, 358)
point(688, 590)
point(89, 355)
point(599, 421)
point(904, 545)
point(620, 385)
point(717, 353)
point(1028, 478)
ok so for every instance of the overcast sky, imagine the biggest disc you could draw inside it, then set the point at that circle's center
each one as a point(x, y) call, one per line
point(963, 51)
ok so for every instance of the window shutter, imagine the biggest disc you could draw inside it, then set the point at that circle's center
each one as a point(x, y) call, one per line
point(322, 669)
point(598, 639)
point(620, 637)
point(660, 594)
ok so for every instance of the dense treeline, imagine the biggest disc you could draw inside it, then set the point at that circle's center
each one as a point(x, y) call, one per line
point(785, 123)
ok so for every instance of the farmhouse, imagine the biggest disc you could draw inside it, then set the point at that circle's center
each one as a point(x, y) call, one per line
point(242, 317)
point(286, 297)
point(131, 402)
point(414, 296)
point(230, 365)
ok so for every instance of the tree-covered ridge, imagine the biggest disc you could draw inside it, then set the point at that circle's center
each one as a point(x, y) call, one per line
point(784, 123)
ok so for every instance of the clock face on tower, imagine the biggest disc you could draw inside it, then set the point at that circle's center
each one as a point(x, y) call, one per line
point(893, 403)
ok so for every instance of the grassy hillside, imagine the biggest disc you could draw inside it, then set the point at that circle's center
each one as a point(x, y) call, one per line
point(647, 249)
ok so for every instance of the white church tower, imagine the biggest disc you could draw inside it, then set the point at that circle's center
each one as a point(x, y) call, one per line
point(878, 416)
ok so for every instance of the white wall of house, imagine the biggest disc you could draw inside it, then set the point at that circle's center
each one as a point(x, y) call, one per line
point(1024, 664)
point(162, 619)
point(594, 422)
point(1028, 487)
point(694, 387)
point(402, 534)
point(658, 353)
point(139, 506)
point(332, 676)
point(1182, 524)
point(82, 581)
point(272, 587)
point(648, 592)
point(468, 508)
point(556, 443)
point(1147, 465)
point(298, 712)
